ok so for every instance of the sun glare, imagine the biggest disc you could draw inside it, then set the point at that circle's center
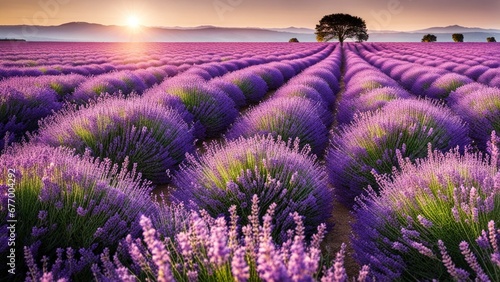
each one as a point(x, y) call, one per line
point(133, 22)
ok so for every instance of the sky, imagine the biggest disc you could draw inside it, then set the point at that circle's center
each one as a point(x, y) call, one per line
point(402, 15)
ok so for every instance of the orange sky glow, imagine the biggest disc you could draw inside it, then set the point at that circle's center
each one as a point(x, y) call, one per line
point(378, 14)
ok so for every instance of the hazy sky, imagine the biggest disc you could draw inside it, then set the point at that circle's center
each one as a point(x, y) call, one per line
point(378, 14)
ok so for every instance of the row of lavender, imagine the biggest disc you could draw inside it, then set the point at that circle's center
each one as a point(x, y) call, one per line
point(31, 98)
point(146, 131)
point(462, 63)
point(58, 58)
point(430, 210)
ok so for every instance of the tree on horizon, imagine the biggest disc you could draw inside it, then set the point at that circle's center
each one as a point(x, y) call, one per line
point(341, 26)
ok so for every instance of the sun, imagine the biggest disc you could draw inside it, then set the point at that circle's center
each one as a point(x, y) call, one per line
point(133, 22)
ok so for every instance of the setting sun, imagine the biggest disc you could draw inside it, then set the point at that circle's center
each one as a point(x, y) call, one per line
point(133, 22)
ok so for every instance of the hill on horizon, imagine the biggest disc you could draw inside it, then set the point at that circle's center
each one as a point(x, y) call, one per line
point(92, 32)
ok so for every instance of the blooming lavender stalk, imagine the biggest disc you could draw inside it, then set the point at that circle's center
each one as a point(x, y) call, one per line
point(269, 262)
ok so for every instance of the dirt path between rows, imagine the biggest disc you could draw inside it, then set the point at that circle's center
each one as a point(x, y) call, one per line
point(341, 217)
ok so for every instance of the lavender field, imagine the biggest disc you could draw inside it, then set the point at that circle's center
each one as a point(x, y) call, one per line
point(231, 161)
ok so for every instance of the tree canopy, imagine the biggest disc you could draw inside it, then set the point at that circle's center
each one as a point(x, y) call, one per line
point(429, 38)
point(491, 39)
point(293, 40)
point(341, 27)
point(458, 37)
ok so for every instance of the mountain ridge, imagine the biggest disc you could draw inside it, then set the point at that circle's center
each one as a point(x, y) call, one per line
point(85, 31)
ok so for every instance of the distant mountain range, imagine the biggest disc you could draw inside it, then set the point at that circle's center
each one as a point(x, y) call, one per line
point(82, 31)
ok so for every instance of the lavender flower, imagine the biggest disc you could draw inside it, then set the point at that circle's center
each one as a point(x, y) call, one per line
point(242, 264)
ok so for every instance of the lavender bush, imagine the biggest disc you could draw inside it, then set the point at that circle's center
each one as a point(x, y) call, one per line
point(214, 110)
point(152, 136)
point(319, 85)
point(21, 107)
point(368, 101)
point(271, 75)
point(481, 110)
point(230, 174)
point(426, 224)
point(216, 249)
point(253, 86)
point(231, 90)
point(67, 206)
point(289, 118)
point(441, 87)
point(302, 91)
point(369, 144)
